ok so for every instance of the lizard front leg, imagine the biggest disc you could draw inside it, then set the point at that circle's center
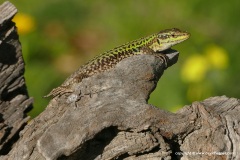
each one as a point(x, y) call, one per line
point(162, 56)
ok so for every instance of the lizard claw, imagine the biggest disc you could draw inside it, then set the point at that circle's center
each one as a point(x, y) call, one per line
point(165, 60)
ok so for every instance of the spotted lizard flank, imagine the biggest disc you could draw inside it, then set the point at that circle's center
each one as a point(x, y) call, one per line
point(152, 44)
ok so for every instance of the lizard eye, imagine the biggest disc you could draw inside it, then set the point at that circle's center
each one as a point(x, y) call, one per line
point(173, 35)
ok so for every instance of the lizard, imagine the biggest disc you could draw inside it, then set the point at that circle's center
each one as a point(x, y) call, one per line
point(152, 44)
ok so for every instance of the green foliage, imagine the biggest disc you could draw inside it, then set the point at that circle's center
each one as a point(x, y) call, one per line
point(65, 34)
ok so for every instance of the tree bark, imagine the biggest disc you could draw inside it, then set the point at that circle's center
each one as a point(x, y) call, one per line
point(14, 99)
point(108, 117)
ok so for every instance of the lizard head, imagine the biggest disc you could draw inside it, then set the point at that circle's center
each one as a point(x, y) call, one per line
point(167, 38)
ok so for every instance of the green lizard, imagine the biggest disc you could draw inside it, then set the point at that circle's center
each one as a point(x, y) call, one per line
point(152, 44)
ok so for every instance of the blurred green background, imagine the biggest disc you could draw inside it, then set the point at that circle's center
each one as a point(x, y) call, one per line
point(58, 36)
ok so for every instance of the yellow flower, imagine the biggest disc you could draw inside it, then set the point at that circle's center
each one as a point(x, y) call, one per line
point(217, 57)
point(194, 69)
point(24, 23)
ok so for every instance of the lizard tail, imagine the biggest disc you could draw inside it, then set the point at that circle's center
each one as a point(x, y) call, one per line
point(58, 91)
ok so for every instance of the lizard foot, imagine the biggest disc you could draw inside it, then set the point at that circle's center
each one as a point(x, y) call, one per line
point(162, 57)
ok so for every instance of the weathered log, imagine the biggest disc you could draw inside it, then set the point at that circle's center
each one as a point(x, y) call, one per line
point(14, 99)
point(108, 117)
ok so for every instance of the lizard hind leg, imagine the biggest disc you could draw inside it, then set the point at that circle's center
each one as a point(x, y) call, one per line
point(59, 91)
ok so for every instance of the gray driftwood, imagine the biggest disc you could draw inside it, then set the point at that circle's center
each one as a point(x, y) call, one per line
point(14, 100)
point(108, 117)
